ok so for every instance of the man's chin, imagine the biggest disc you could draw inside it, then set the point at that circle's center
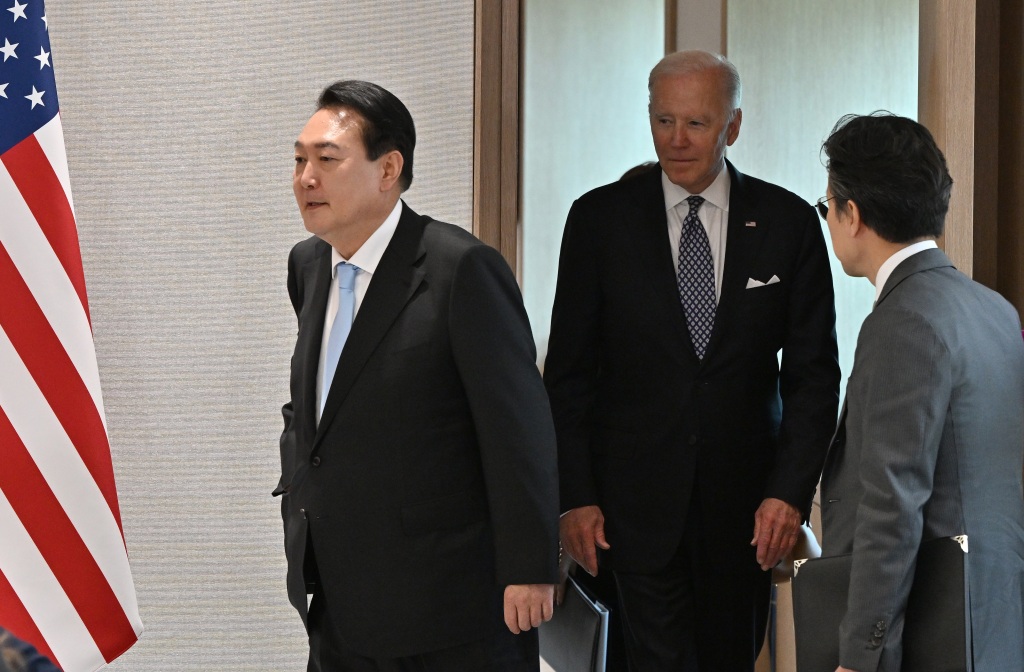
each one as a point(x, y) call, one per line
point(314, 227)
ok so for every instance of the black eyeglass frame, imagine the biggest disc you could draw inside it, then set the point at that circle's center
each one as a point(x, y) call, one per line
point(822, 207)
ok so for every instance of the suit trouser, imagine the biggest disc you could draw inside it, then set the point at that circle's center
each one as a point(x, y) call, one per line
point(501, 652)
point(706, 611)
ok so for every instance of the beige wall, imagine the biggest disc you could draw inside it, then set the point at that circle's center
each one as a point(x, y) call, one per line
point(179, 120)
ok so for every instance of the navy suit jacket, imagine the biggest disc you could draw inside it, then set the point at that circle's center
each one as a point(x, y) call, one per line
point(642, 423)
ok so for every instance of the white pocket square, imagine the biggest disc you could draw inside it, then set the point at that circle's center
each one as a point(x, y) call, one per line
point(751, 283)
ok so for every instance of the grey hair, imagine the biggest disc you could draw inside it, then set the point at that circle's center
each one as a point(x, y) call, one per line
point(695, 60)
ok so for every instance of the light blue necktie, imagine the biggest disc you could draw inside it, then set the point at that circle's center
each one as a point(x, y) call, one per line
point(696, 278)
point(342, 325)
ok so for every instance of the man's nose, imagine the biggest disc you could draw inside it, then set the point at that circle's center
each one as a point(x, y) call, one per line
point(307, 178)
point(680, 136)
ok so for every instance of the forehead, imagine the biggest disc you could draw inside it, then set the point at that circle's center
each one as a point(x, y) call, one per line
point(702, 91)
point(336, 126)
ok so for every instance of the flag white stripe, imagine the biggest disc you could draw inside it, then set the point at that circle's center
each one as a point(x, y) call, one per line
point(43, 597)
point(49, 284)
point(51, 139)
point(68, 477)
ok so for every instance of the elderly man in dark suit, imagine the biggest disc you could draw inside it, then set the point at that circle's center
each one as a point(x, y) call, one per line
point(931, 439)
point(419, 486)
point(687, 455)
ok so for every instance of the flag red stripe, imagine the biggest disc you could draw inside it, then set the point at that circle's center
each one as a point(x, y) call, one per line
point(45, 197)
point(57, 377)
point(61, 546)
point(15, 618)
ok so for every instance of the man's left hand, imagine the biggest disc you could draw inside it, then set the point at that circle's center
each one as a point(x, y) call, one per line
point(844, 669)
point(775, 530)
point(527, 606)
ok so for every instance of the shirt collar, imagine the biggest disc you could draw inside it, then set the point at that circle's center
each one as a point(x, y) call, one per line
point(717, 193)
point(890, 264)
point(369, 254)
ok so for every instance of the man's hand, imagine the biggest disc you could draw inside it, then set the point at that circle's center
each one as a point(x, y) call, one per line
point(844, 669)
point(775, 531)
point(581, 530)
point(527, 606)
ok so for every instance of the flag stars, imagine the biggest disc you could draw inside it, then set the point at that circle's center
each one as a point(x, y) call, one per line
point(8, 49)
point(36, 97)
point(18, 11)
point(45, 24)
point(3, 89)
point(43, 58)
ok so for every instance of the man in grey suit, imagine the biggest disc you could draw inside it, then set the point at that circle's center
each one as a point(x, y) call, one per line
point(931, 437)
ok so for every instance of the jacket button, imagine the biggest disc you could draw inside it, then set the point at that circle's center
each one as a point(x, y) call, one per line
point(303, 512)
point(315, 461)
point(693, 439)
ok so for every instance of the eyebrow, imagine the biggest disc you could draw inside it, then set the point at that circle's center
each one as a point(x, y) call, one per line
point(319, 145)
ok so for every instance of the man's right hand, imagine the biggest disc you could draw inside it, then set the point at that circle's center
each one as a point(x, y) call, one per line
point(581, 531)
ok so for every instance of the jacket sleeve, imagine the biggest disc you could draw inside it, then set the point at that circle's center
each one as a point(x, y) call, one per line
point(571, 367)
point(898, 394)
point(496, 359)
point(287, 441)
point(809, 373)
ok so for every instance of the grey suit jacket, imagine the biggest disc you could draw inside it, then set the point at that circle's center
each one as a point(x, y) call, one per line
point(930, 444)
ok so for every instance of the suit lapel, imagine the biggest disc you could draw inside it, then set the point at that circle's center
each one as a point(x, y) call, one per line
point(316, 275)
point(742, 245)
point(394, 282)
point(652, 243)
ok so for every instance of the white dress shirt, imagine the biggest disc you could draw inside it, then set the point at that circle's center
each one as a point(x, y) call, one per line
point(713, 213)
point(366, 259)
point(890, 264)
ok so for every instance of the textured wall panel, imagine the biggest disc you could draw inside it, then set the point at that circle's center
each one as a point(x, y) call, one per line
point(179, 121)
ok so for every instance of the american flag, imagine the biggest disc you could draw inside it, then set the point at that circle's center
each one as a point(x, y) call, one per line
point(65, 583)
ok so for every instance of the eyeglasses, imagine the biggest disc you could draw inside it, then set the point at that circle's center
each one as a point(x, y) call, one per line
point(822, 207)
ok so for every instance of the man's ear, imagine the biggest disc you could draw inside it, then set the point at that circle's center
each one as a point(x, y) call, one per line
point(856, 224)
point(391, 165)
point(733, 131)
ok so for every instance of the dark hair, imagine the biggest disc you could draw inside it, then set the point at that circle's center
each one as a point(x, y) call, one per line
point(638, 170)
point(386, 124)
point(892, 169)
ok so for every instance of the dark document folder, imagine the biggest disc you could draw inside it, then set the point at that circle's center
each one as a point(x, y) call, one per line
point(576, 637)
point(935, 635)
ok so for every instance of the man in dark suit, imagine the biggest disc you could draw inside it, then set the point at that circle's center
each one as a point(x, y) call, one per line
point(419, 481)
point(931, 439)
point(679, 437)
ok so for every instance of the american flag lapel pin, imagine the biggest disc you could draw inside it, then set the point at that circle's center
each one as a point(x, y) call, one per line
point(751, 224)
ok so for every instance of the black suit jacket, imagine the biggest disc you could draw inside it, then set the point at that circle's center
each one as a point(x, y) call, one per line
point(430, 483)
point(642, 423)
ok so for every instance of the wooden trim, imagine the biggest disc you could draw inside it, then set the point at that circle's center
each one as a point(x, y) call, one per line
point(496, 126)
point(671, 26)
point(511, 30)
point(1011, 153)
point(958, 100)
point(724, 38)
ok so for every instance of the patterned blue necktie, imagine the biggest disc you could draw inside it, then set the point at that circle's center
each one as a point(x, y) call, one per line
point(696, 278)
point(339, 330)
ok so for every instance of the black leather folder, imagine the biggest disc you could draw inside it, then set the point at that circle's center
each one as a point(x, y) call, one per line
point(576, 637)
point(935, 635)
